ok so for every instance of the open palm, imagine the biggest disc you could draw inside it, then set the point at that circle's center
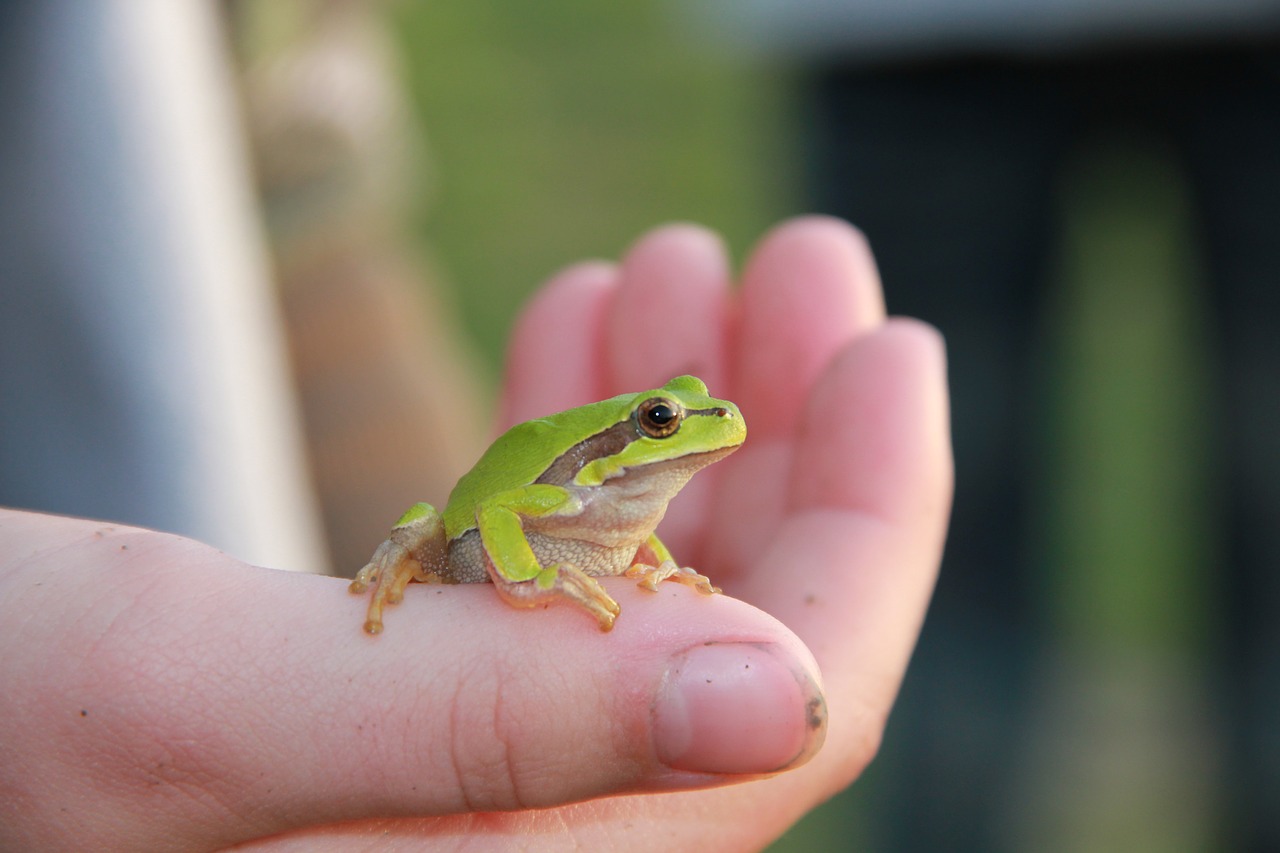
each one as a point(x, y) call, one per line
point(831, 518)
point(180, 699)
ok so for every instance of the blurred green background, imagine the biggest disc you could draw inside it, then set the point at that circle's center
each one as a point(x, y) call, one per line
point(563, 130)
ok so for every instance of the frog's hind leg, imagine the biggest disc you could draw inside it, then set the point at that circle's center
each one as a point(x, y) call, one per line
point(515, 570)
point(415, 551)
point(561, 582)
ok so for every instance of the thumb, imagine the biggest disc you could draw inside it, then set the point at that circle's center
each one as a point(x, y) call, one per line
point(201, 697)
point(488, 708)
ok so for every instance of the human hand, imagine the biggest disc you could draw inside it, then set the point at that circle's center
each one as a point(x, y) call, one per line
point(160, 695)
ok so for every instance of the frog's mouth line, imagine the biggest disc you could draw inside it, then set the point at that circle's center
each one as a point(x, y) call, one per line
point(700, 460)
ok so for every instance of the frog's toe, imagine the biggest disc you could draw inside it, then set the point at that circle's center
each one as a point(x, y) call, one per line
point(561, 583)
point(391, 568)
point(586, 592)
point(646, 576)
point(366, 577)
point(649, 577)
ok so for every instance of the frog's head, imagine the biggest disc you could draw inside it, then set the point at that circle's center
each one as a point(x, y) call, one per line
point(678, 421)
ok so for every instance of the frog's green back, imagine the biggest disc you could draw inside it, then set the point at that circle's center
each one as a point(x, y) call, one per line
point(521, 454)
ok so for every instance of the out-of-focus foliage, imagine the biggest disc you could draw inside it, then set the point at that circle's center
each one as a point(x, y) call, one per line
point(562, 130)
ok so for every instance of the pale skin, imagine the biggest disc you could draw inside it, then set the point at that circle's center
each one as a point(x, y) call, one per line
point(245, 708)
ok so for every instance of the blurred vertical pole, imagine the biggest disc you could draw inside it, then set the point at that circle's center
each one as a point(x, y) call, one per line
point(143, 375)
point(1126, 756)
point(389, 393)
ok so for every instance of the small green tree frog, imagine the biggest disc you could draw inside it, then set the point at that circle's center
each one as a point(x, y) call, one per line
point(558, 501)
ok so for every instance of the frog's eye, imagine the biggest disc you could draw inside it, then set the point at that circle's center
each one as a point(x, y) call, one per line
point(658, 417)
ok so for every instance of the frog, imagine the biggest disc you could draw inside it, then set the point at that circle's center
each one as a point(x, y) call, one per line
point(559, 501)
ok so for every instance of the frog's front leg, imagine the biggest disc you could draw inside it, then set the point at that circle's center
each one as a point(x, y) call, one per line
point(654, 564)
point(415, 550)
point(516, 573)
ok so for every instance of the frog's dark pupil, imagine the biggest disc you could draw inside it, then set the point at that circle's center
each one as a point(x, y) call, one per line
point(661, 415)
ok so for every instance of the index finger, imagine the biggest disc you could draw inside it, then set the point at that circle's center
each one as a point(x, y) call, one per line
point(555, 360)
point(807, 290)
point(866, 515)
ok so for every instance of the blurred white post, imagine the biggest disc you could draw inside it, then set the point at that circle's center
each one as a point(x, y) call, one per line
point(146, 377)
